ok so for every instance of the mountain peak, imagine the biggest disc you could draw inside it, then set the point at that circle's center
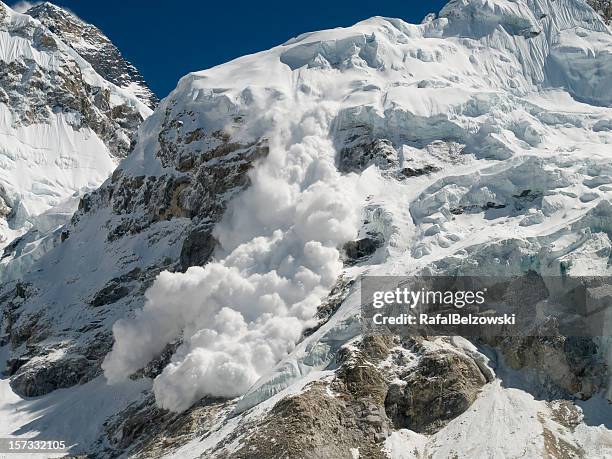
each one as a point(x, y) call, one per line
point(52, 101)
point(95, 47)
point(48, 5)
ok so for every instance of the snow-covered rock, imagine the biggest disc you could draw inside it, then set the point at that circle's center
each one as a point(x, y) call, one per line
point(95, 47)
point(63, 127)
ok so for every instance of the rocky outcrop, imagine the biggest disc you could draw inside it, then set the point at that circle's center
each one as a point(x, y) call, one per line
point(359, 153)
point(441, 387)
point(361, 248)
point(348, 409)
point(376, 388)
point(146, 431)
point(317, 424)
point(5, 210)
point(604, 8)
point(34, 94)
point(39, 377)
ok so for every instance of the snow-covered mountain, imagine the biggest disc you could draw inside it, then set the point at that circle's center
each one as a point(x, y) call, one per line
point(95, 47)
point(213, 279)
point(63, 127)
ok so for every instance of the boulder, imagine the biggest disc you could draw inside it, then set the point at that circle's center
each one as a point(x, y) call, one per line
point(442, 386)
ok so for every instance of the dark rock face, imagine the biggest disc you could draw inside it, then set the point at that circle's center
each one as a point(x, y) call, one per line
point(442, 386)
point(36, 378)
point(579, 351)
point(115, 289)
point(145, 430)
point(362, 248)
point(197, 248)
point(157, 365)
point(418, 171)
point(95, 48)
point(37, 369)
point(603, 7)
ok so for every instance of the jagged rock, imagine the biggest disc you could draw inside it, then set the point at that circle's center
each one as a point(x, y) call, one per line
point(145, 430)
point(197, 248)
point(95, 48)
point(363, 380)
point(5, 210)
point(46, 366)
point(314, 424)
point(359, 155)
point(110, 294)
point(35, 377)
point(580, 352)
point(603, 7)
point(330, 305)
point(418, 171)
point(440, 388)
point(361, 248)
point(35, 93)
point(157, 365)
point(115, 289)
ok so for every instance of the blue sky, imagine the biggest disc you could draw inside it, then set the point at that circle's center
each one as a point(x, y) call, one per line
point(167, 39)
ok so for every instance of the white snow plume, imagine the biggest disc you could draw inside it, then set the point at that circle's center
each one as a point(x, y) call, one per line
point(23, 6)
point(240, 315)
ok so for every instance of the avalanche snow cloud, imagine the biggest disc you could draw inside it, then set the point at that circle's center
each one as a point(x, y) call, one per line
point(493, 76)
point(240, 315)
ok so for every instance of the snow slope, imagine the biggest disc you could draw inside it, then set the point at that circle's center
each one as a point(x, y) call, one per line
point(475, 142)
point(62, 126)
point(502, 423)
